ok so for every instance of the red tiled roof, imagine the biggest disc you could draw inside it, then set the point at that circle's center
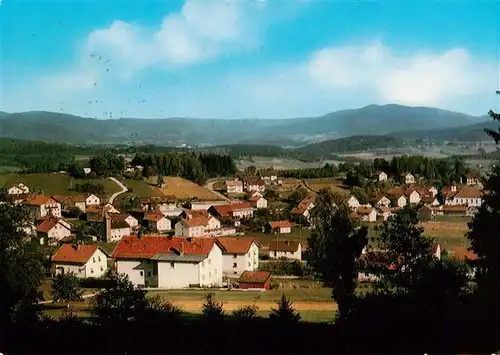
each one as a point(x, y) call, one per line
point(154, 216)
point(47, 225)
point(40, 200)
point(60, 198)
point(119, 224)
point(364, 210)
point(302, 206)
point(149, 245)
point(197, 221)
point(396, 191)
point(227, 210)
point(231, 245)
point(280, 224)
point(74, 253)
point(469, 192)
point(119, 216)
point(254, 277)
point(291, 246)
point(195, 213)
point(427, 199)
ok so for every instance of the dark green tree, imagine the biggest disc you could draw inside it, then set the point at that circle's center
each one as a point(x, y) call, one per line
point(21, 267)
point(284, 313)
point(335, 243)
point(66, 288)
point(212, 310)
point(160, 181)
point(496, 117)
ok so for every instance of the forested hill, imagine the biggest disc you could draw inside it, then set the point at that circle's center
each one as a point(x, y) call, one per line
point(369, 120)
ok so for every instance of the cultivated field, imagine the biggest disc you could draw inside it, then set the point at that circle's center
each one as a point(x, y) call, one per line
point(280, 164)
point(449, 234)
point(141, 188)
point(332, 184)
point(184, 189)
point(54, 184)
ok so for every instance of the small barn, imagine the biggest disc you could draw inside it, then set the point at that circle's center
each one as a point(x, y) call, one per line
point(255, 280)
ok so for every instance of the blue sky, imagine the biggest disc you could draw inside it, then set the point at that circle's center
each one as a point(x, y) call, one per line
point(253, 58)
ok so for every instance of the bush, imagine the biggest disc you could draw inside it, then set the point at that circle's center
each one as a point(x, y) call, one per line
point(285, 313)
point(246, 313)
point(212, 309)
point(284, 267)
point(65, 288)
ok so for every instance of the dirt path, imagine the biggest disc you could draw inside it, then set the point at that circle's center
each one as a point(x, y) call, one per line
point(210, 186)
point(196, 305)
point(116, 194)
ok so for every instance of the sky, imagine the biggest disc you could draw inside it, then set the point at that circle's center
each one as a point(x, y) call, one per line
point(247, 59)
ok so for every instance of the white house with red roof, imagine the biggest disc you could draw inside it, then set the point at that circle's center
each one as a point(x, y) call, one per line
point(81, 260)
point(157, 221)
point(43, 206)
point(239, 254)
point(234, 210)
point(199, 226)
point(258, 202)
point(304, 208)
point(282, 227)
point(287, 249)
point(169, 262)
point(130, 220)
point(53, 230)
point(18, 189)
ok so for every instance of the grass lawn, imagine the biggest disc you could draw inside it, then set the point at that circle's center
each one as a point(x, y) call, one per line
point(265, 238)
point(454, 219)
point(333, 184)
point(141, 188)
point(54, 184)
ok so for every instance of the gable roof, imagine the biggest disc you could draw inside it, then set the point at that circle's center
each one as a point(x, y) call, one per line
point(396, 192)
point(197, 221)
point(119, 224)
point(290, 246)
point(254, 277)
point(47, 225)
point(468, 192)
point(40, 200)
point(79, 254)
point(132, 247)
point(234, 183)
point(303, 206)
point(119, 216)
point(228, 210)
point(364, 210)
point(232, 245)
point(60, 198)
point(154, 216)
point(280, 224)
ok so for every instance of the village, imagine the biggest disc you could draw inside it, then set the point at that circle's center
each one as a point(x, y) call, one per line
point(167, 243)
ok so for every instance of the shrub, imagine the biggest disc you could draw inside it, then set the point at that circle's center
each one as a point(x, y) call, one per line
point(65, 288)
point(285, 313)
point(246, 313)
point(212, 309)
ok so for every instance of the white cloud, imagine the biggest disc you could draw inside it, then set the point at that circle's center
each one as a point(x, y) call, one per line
point(199, 31)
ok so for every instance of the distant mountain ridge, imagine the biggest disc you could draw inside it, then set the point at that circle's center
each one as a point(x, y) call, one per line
point(368, 120)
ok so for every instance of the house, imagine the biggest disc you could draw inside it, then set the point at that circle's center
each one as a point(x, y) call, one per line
point(91, 200)
point(384, 212)
point(464, 196)
point(432, 191)
point(53, 230)
point(238, 254)
point(258, 202)
point(255, 280)
point(96, 213)
point(81, 260)
point(19, 189)
point(304, 208)
point(169, 262)
point(436, 251)
point(113, 231)
point(162, 203)
point(353, 202)
point(285, 249)
point(429, 201)
point(130, 220)
point(397, 196)
point(269, 176)
point(87, 170)
point(381, 201)
point(157, 221)
point(254, 184)
point(282, 227)
point(194, 213)
point(234, 210)
point(365, 214)
point(255, 194)
point(234, 187)
point(412, 196)
point(408, 178)
point(205, 205)
point(200, 226)
point(43, 206)
point(381, 176)
point(473, 178)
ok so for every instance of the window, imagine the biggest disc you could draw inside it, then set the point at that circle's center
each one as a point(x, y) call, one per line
point(235, 273)
point(172, 265)
point(99, 258)
point(93, 259)
point(235, 265)
point(149, 273)
point(91, 271)
point(102, 269)
point(141, 273)
point(249, 263)
point(235, 256)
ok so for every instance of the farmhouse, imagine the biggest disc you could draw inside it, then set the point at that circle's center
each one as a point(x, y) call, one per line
point(157, 221)
point(200, 226)
point(19, 189)
point(381, 201)
point(282, 227)
point(304, 208)
point(365, 214)
point(161, 203)
point(258, 202)
point(96, 213)
point(412, 195)
point(131, 221)
point(53, 230)
point(169, 262)
point(397, 196)
point(254, 184)
point(113, 231)
point(285, 249)
point(234, 210)
point(255, 280)
point(238, 255)
point(81, 260)
point(408, 178)
point(234, 187)
point(205, 205)
point(269, 176)
point(353, 202)
point(384, 212)
point(381, 176)
point(465, 196)
point(472, 178)
point(43, 206)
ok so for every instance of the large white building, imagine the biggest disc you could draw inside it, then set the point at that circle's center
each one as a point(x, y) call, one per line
point(169, 262)
point(238, 255)
point(81, 260)
point(43, 206)
point(199, 226)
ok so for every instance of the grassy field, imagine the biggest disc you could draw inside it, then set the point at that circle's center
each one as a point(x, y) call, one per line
point(54, 184)
point(141, 188)
point(184, 189)
point(332, 184)
point(265, 238)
